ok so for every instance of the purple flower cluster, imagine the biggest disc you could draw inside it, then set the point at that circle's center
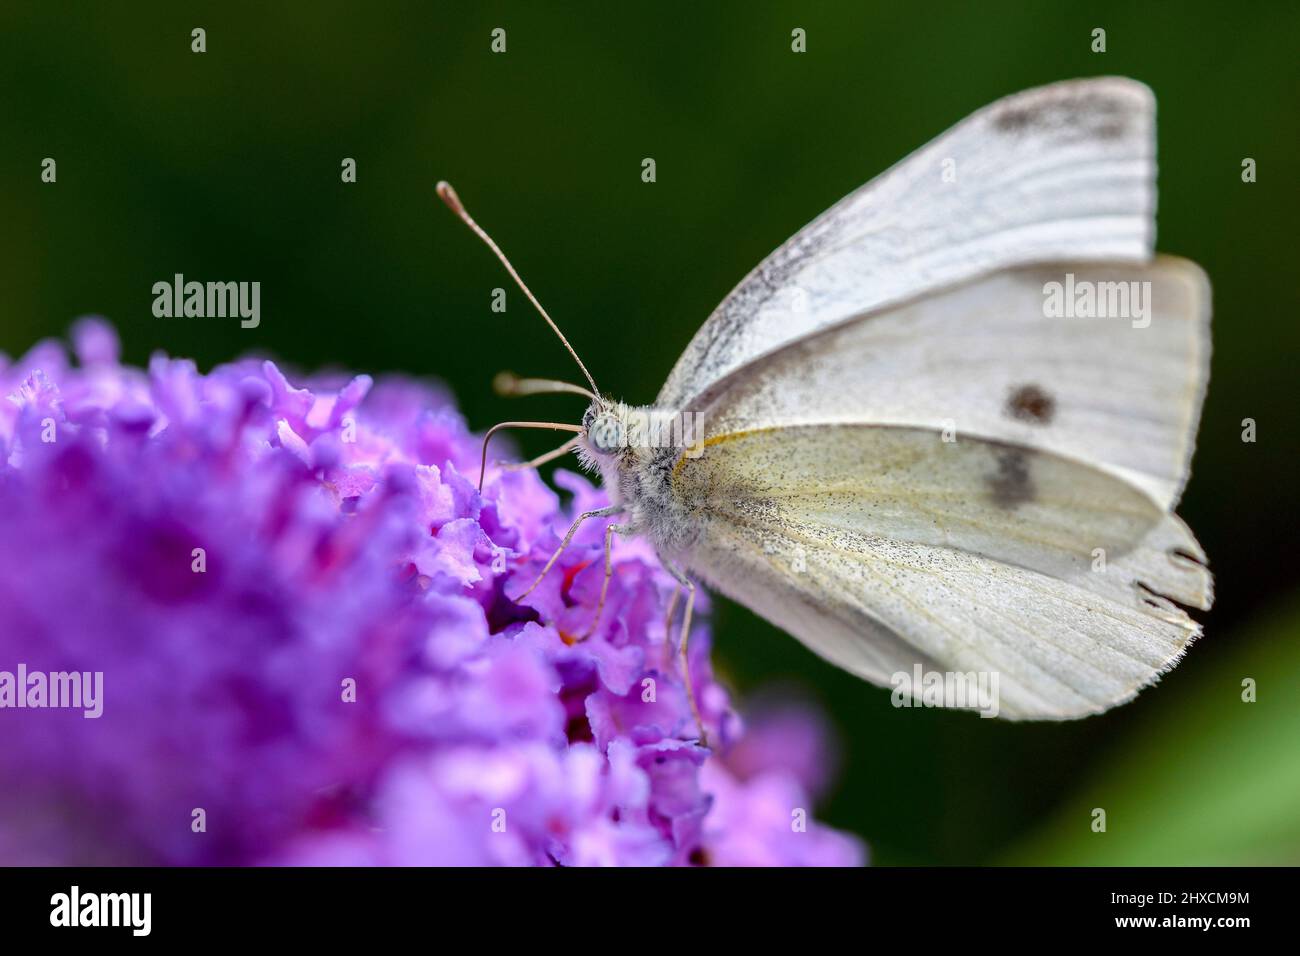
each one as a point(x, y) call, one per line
point(302, 610)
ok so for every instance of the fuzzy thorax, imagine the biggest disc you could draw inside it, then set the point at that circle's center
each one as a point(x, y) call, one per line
point(634, 449)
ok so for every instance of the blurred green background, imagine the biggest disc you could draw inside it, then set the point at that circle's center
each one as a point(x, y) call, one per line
point(226, 166)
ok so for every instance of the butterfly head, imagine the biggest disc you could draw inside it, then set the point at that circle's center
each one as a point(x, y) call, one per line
point(605, 429)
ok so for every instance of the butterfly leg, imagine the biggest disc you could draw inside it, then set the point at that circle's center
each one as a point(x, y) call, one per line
point(668, 614)
point(689, 585)
point(573, 529)
point(610, 531)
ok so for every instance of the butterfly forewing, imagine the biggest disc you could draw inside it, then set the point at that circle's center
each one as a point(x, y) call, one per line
point(1065, 171)
point(988, 358)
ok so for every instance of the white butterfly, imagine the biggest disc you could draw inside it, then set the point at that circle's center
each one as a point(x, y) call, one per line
point(947, 423)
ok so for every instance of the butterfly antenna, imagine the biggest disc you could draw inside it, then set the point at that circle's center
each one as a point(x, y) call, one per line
point(510, 385)
point(554, 426)
point(448, 195)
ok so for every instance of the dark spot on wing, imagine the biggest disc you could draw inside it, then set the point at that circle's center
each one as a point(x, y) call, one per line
point(1011, 486)
point(1110, 128)
point(1070, 114)
point(1030, 403)
point(1013, 119)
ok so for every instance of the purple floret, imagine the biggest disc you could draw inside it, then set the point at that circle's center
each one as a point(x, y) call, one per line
point(303, 612)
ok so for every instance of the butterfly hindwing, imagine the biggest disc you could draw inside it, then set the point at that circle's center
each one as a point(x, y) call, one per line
point(883, 548)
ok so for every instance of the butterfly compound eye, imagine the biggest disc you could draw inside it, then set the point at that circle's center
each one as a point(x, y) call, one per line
point(605, 434)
